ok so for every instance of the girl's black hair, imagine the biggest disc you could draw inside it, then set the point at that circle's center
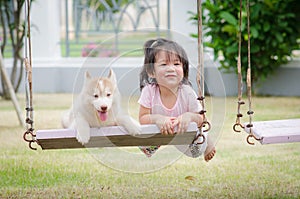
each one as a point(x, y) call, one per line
point(151, 48)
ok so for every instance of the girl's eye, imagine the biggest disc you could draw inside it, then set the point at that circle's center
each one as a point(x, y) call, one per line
point(96, 96)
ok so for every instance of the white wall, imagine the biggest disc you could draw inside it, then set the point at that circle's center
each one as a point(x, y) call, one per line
point(45, 29)
point(180, 16)
point(182, 27)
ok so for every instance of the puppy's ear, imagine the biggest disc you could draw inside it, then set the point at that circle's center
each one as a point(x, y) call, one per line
point(87, 77)
point(112, 76)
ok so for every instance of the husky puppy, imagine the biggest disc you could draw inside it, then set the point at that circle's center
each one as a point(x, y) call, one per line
point(98, 105)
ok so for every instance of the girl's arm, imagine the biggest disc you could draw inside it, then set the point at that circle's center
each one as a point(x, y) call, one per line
point(164, 123)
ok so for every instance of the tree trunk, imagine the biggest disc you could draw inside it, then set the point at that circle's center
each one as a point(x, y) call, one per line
point(13, 28)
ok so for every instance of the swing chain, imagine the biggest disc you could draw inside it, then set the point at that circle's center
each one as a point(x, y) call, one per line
point(240, 77)
point(202, 112)
point(200, 80)
point(250, 112)
point(29, 135)
point(205, 124)
point(238, 118)
point(248, 80)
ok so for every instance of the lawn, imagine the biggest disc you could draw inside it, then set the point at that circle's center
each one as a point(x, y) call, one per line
point(238, 170)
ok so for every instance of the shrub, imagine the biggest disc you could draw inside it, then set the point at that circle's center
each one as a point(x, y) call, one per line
point(274, 25)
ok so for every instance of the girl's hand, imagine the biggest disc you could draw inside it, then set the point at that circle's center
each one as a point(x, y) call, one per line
point(166, 125)
point(183, 122)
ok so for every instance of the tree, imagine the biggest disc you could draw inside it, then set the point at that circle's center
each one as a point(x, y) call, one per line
point(13, 28)
point(275, 29)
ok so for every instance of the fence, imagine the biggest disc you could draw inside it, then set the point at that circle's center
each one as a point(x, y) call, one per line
point(106, 28)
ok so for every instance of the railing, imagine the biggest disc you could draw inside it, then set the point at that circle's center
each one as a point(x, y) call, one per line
point(111, 27)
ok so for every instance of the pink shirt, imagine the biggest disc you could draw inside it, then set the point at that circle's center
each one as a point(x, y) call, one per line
point(186, 101)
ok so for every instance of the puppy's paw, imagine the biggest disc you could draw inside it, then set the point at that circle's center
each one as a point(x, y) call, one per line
point(83, 134)
point(134, 129)
point(83, 130)
point(83, 138)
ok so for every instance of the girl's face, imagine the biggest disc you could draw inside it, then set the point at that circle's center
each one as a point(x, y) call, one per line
point(168, 70)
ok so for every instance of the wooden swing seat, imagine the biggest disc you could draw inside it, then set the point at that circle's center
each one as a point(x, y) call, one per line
point(276, 131)
point(114, 136)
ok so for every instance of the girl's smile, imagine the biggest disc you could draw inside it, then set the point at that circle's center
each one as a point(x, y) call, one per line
point(170, 75)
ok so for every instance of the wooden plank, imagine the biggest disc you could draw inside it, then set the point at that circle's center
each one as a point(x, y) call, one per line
point(276, 131)
point(114, 136)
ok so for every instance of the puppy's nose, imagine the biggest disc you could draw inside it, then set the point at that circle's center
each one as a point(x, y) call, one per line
point(103, 108)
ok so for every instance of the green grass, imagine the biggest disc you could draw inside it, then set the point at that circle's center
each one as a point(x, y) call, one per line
point(238, 170)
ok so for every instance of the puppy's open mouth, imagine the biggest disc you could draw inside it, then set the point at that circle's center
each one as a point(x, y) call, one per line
point(102, 115)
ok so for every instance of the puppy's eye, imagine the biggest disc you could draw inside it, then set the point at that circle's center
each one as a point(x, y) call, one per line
point(108, 94)
point(96, 96)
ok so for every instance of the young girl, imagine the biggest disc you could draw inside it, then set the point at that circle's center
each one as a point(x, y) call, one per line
point(167, 98)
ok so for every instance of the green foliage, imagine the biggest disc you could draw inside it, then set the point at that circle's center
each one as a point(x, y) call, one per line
point(108, 5)
point(274, 29)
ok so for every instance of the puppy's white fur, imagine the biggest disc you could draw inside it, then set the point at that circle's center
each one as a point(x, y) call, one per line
point(98, 105)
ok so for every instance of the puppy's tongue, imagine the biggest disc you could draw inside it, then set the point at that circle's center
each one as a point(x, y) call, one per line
point(102, 115)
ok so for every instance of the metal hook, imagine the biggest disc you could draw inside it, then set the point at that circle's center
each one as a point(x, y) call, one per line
point(204, 123)
point(31, 139)
point(236, 125)
point(30, 145)
point(248, 139)
point(252, 136)
point(25, 136)
point(197, 137)
point(208, 127)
